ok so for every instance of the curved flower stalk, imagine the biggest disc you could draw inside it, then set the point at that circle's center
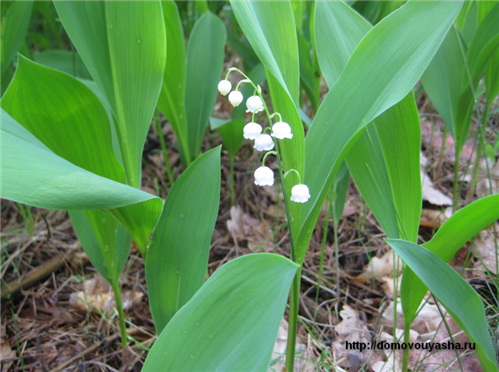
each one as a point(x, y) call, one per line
point(281, 130)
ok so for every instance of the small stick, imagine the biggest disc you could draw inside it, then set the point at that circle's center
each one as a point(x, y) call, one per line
point(92, 348)
point(34, 276)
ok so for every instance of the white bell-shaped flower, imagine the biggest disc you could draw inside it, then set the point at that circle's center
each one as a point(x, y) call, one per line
point(264, 143)
point(300, 193)
point(254, 104)
point(281, 130)
point(235, 98)
point(252, 131)
point(264, 176)
point(224, 87)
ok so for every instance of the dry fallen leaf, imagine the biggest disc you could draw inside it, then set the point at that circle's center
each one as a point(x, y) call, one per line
point(256, 232)
point(425, 361)
point(482, 186)
point(431, 194)
point(380, 267)
point(350, 329)
point(434, 218)
point(97, 296)
point(485, 249)
point(428, 318)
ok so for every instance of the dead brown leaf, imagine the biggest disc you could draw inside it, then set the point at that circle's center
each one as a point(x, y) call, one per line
point(350, 329)
point(485, 249)
point(243, 227)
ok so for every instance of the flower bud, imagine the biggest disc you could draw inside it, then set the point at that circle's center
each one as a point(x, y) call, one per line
point(224, 87)
point(264, 176)
point(235, 98)
point(254, 104)
point(264, 143)
point(281, 130)
point(300, 193)
point(252, 131)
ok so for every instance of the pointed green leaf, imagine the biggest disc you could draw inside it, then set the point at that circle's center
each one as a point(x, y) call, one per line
point(32, 174)
point(457, 296)
point(269, 27)
point(69, 119)
point(15, 24)
point(123, 45)
point(248, 295)
point(387, 175)
point(105, 241)
point(383, 69)
point(171, 101)
point(177, 259)
point(442, 80)
point(205, 56)
point(452, 235)
point(65, 61)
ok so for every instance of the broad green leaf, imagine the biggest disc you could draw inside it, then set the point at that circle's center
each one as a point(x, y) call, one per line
point(470, 24)
point(32, 174)
point(15, 24)
point(387, 175)
point(69, 119)
point(457, 296)
point(65, 115)
point(205, 56)
point(123, 45)
point(269, 27)
point(232, 135)
point(171, 101)
point(65, 61)
point(243, 49)
point(231, 323)
point(483, 47)
point(442, 80)
point(310, 74)
point(177, 259)
point(484, 8)
point(383, 69)
point(340, 188)
point(106, 245)
point(385, 166)
point(338, 30)
point(492, 79)
point(452, 235)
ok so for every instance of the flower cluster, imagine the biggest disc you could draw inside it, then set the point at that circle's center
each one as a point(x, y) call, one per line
point(264, 176)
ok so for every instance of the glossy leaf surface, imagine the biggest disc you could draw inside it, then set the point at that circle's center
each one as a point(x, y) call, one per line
point(205, 56)
point(177, 259)
point(457, 296)
point(123, 45)
point(249, 294)
point(382, 70)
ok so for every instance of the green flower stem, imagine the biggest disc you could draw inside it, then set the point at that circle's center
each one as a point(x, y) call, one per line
point(293, 170)
point(294, 303)
point(276, 114)
point(121, 313)
point(232, 192)
point(267, 154)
